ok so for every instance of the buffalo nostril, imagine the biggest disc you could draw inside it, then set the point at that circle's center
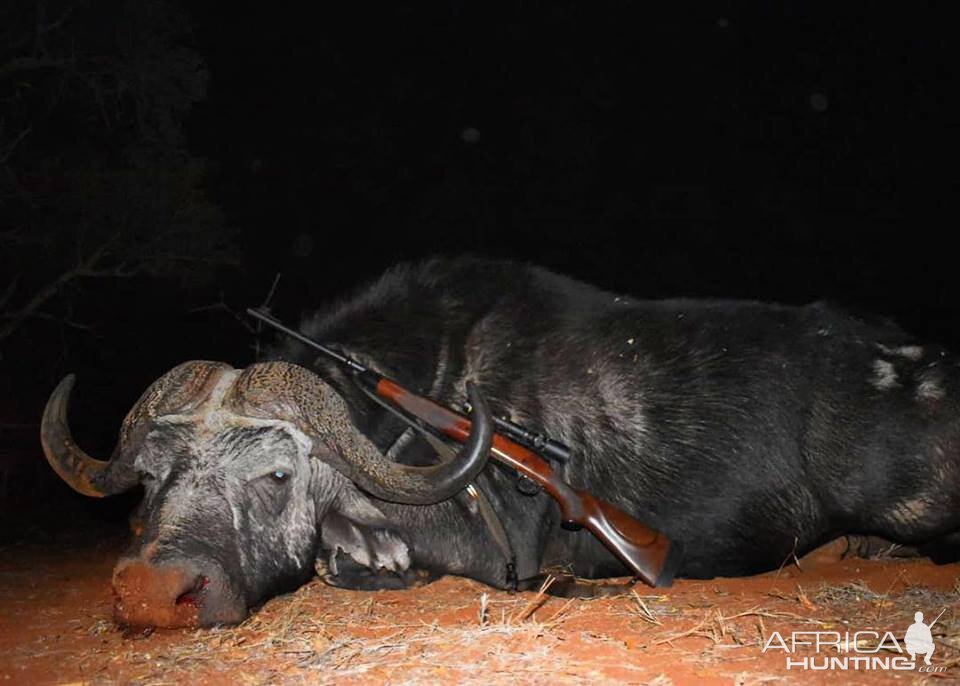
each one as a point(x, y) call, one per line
point(192, 595)
point(173, 595)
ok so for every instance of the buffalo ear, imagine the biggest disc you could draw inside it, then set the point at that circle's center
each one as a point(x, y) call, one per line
point(358, 508)
point(376, 549)
point(356, 528)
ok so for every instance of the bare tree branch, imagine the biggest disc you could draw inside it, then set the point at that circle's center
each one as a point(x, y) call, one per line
point(145, 211)
point(41, 31)
point(60, 320)
point(86, 268)
point(11, 426)
point(9, 291)
point(16, 65)
point(51, 26)
point(191, 259)
point(265, 305)
point(5, 154)
point(222, 306)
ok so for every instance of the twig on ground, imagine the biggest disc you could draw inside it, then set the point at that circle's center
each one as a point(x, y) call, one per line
point(536, 602)
point(645, 613)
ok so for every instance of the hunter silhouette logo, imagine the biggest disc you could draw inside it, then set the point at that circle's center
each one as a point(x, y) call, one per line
point(919, 638)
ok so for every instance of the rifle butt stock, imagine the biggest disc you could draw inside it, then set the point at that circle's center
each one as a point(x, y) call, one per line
point(648, 553)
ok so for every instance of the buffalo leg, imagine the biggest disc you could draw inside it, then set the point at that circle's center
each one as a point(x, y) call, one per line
point(943, 550)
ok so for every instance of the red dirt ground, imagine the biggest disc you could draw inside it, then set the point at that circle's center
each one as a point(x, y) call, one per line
point(57, 551)
point(56, 627)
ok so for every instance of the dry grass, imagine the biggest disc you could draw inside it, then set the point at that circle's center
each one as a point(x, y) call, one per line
point(458, 631)
point(844, 594)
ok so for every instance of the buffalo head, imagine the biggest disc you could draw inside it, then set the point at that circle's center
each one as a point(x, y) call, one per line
point(240, 468)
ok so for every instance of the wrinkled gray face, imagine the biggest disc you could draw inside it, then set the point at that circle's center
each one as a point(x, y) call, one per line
point(236, 508)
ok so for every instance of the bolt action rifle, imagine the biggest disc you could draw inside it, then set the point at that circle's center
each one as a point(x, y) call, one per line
point(648, 553)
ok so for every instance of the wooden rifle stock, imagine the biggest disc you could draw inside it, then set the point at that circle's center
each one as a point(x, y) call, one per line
point(645, 551)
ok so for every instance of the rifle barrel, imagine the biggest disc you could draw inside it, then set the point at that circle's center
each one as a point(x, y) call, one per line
point(542, 444)
point(293, 333)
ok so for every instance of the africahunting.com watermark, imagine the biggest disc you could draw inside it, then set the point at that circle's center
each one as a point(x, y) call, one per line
point(862, 650)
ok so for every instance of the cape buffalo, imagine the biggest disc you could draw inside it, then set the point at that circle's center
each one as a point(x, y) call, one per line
point(746, 432)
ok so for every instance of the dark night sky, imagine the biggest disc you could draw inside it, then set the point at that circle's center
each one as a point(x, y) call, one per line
point(785, 152)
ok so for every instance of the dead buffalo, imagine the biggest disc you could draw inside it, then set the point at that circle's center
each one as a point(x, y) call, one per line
point(746, 432)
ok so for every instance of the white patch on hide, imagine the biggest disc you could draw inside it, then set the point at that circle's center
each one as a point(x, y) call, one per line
point(912, 511)
point(884, 375)
point(930, 387)
point(909, 352)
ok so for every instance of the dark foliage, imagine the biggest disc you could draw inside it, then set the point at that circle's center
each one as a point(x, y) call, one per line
point(105, 211)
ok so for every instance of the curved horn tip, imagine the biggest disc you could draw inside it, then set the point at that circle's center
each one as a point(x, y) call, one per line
point(420, 485)
point(56, 407)
point(66, 458)
point(473, 454)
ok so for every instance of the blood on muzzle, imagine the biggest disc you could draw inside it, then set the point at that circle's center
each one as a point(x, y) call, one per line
point(170, 596)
